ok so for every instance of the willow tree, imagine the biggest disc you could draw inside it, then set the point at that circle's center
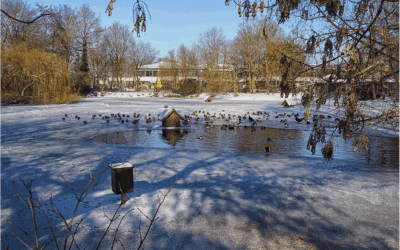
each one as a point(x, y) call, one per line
point(35, 76)
point(358, 40)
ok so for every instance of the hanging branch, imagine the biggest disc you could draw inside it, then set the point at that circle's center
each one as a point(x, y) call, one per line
point(139, 10)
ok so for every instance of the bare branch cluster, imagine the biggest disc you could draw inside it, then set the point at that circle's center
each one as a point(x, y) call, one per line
point(33, 242)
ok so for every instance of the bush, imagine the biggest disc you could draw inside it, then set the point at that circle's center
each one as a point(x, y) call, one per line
point(189, 87)
point(83, 89)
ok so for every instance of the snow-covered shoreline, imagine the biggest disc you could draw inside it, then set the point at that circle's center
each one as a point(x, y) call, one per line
point(221, 200)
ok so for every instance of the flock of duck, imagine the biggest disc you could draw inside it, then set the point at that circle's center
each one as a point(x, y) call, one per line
point(123, 118)
point(228, 121)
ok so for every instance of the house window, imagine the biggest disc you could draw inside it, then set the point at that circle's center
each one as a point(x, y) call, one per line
point(148, 73)
point(154, 73)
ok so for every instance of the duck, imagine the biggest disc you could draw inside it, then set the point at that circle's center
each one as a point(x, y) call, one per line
point(63, 118)
point(84, 122)
point(268, 139)
point(135, 121)
point(149, 120)
point(286, 125)
point(266, 149)
point(66, 115)
point(298, 119)
point(200, 137)
point(122, 121)
point(108, 121)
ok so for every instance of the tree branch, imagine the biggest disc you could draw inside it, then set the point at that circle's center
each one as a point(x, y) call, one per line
point(26, 22)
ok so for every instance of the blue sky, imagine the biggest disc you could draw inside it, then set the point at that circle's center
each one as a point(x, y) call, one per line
point(172, 22)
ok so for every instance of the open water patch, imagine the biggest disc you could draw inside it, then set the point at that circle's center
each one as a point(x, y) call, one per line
point(382, 150)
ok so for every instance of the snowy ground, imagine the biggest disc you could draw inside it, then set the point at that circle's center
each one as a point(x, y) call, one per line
point(221, 200)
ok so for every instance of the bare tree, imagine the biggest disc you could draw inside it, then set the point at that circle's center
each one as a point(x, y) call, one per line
point(99, 63)
point(62, 33)
point(118, 41)
point(13, 31)
point(88, 31)
point(139, 55)
point(169, 70)
point(182, 55)
point(274, 38)
point(248, 49)
point(210, 45)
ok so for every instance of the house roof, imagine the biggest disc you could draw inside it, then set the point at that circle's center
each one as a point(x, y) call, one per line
point(168, 111)
point(286, 102)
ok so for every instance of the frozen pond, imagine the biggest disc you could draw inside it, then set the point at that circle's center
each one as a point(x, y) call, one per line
point(383, 151)
point(228, 193)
